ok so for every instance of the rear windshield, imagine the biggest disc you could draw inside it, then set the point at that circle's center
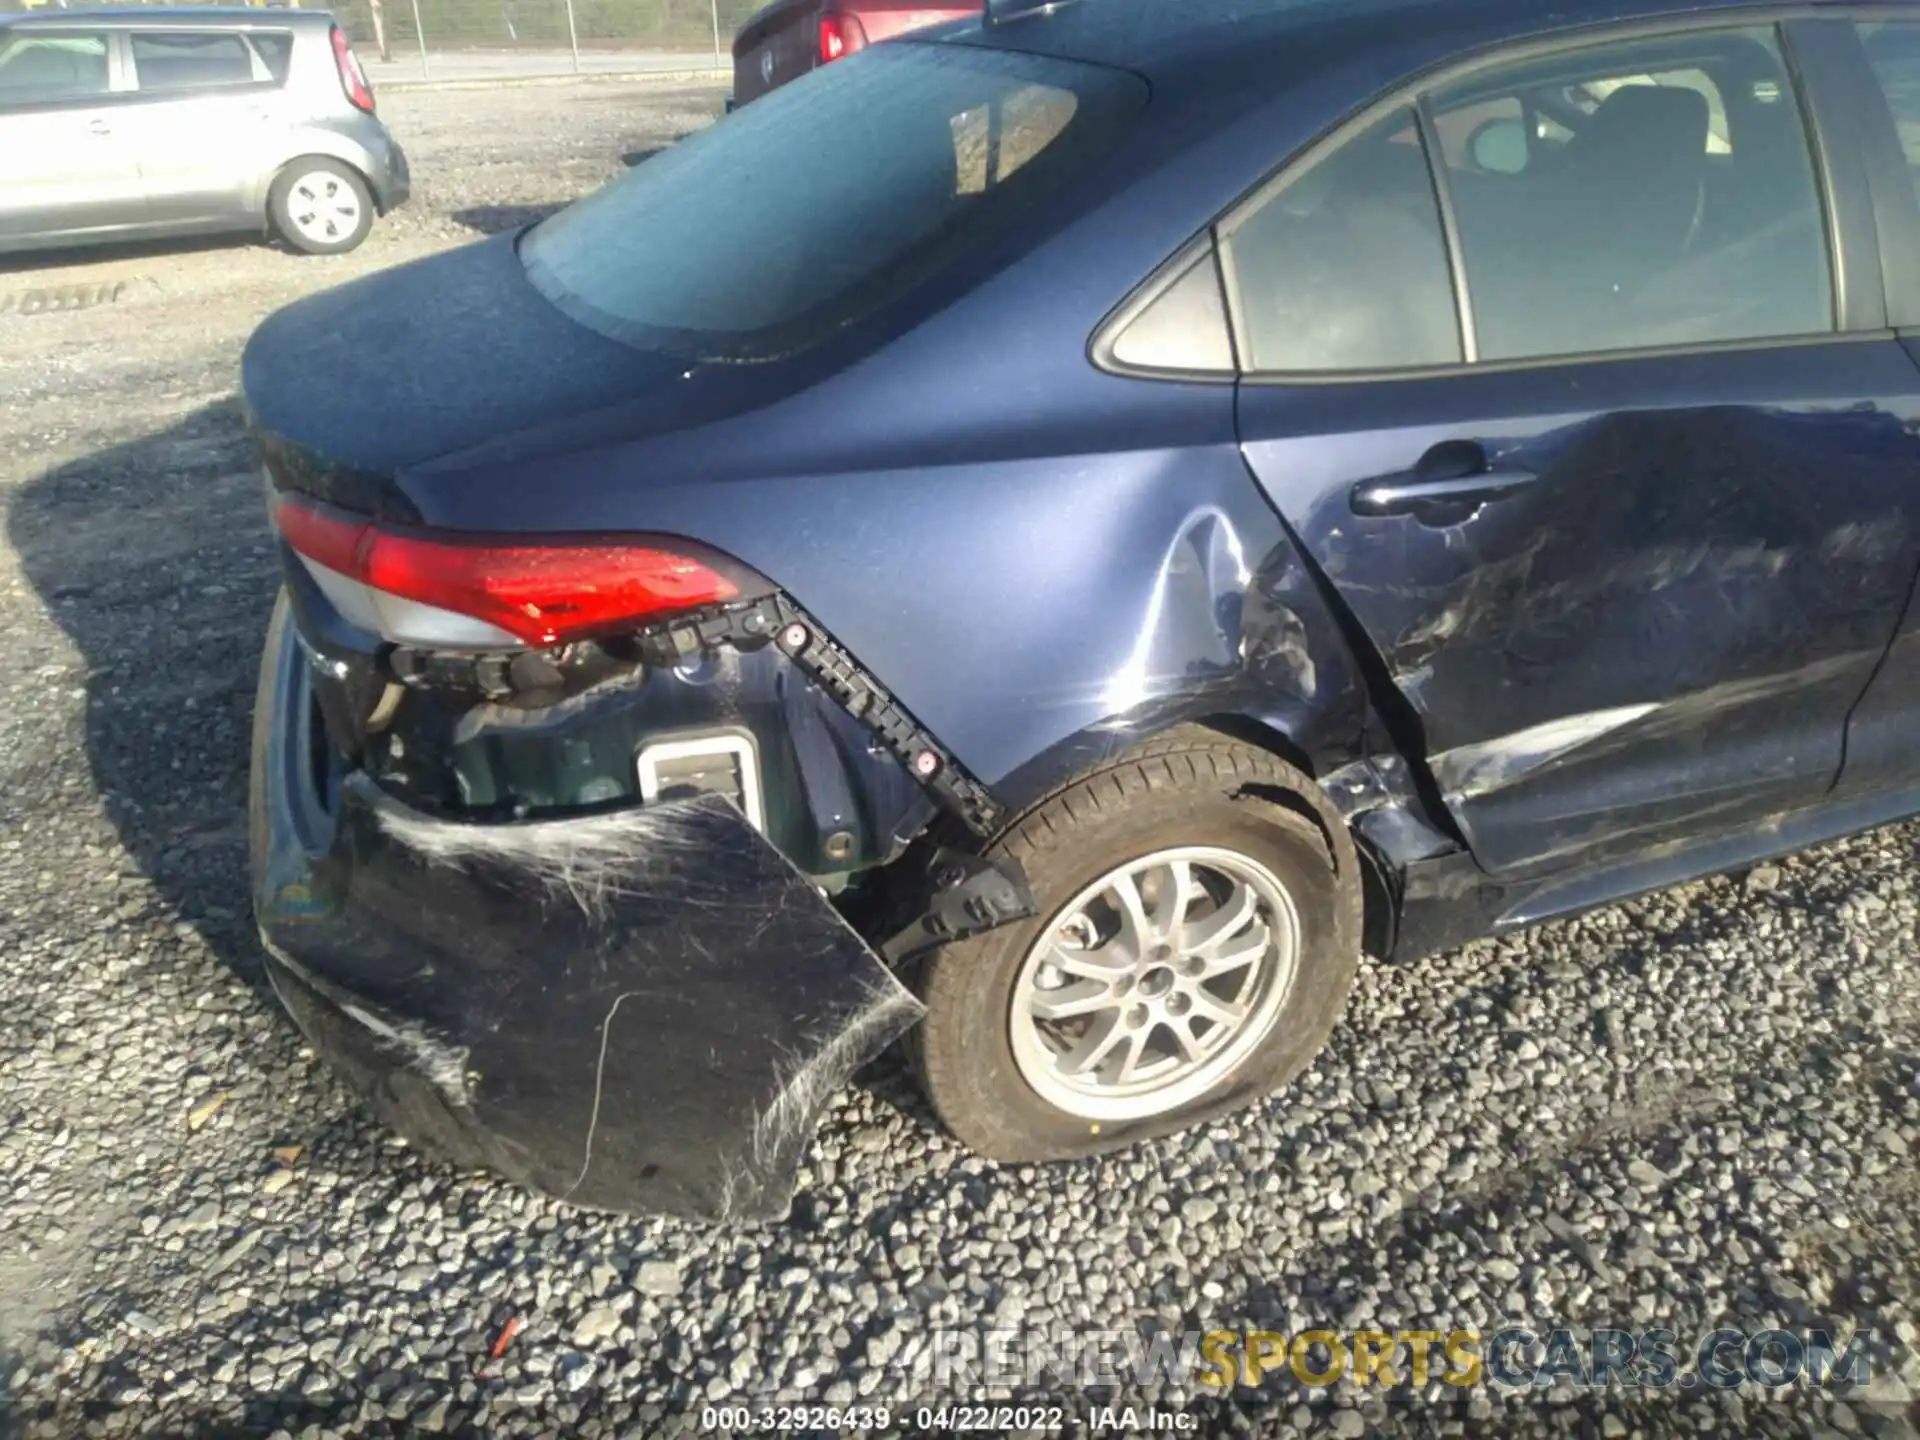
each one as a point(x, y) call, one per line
point(817, 203)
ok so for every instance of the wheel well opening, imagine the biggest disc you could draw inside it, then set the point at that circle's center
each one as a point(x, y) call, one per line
point(1258, 733)
point(1379, 897)
point(1379, 908)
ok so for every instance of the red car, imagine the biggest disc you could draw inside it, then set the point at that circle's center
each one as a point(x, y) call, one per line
point(788, 38)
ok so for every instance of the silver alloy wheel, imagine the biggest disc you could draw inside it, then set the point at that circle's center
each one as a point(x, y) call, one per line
point(323, 207)
point(1154, 983)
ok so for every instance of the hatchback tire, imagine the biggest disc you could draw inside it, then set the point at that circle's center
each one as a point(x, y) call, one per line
point(320, 206)
point(1103, 1021)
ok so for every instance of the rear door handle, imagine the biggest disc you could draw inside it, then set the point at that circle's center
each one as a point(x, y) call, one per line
point(100, 127)
point(1452, 479)
point(1401, 495)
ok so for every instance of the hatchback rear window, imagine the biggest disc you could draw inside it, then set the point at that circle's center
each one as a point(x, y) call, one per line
point(815, 204)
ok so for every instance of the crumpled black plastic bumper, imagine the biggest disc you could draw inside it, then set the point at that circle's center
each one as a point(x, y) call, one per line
point(642, 1011)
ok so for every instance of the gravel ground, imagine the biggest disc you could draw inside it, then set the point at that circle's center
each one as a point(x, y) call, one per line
point(1693, 1110)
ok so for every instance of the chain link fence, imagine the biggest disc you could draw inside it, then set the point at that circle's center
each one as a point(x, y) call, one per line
point(503, 39)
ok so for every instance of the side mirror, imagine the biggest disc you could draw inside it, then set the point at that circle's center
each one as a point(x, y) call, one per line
point(1499, 146)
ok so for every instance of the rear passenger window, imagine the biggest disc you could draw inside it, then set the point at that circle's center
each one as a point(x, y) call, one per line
point(170, 60)
point(1894, 53)
point(1658, 192)
point(1345, 268)
point(46, 69)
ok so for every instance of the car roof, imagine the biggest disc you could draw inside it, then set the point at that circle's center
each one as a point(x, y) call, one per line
point(164, 16)
point(1136, 34)
point(1273, 43)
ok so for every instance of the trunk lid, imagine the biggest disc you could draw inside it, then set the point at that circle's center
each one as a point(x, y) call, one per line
point(348, 387)
point(777, 45)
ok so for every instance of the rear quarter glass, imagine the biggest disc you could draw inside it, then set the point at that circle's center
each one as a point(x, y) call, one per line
point(275, 49)
point(823, 201)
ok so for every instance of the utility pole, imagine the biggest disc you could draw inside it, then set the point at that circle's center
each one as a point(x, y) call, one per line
point(420, 32)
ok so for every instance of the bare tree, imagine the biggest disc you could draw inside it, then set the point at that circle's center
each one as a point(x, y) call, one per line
point(379, 10)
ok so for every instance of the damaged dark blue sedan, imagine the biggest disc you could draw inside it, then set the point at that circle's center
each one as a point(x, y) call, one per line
point(1052, 537)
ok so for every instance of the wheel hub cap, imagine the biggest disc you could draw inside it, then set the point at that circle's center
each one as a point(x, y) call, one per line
point(323, 207)
point(1154, 983)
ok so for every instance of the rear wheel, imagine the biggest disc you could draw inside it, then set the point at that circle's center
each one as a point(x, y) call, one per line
point(1199, 929)
point(321, 206)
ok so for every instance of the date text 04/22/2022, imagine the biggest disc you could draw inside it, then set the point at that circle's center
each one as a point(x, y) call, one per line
point(942, 1419)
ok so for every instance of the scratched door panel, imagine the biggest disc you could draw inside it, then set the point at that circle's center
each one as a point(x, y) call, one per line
point(1586, 446)
point(1664, 633)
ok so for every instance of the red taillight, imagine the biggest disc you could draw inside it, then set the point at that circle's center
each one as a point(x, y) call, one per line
point(325, 539)
point(541, 595)
point(840, 35)
point(353, 80)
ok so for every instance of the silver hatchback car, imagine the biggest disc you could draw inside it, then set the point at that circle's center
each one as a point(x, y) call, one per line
point(125, 124)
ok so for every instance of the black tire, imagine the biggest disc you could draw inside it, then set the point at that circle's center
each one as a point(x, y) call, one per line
point(296, 184)
point(1191, 787)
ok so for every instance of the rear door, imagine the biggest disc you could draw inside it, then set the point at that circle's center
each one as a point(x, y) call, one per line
point(209, 118)
point(1882, 59)
point(1572, 376)
point(66, 155)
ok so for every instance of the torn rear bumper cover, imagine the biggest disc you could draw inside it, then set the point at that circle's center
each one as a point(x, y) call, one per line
point(641, 1011)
